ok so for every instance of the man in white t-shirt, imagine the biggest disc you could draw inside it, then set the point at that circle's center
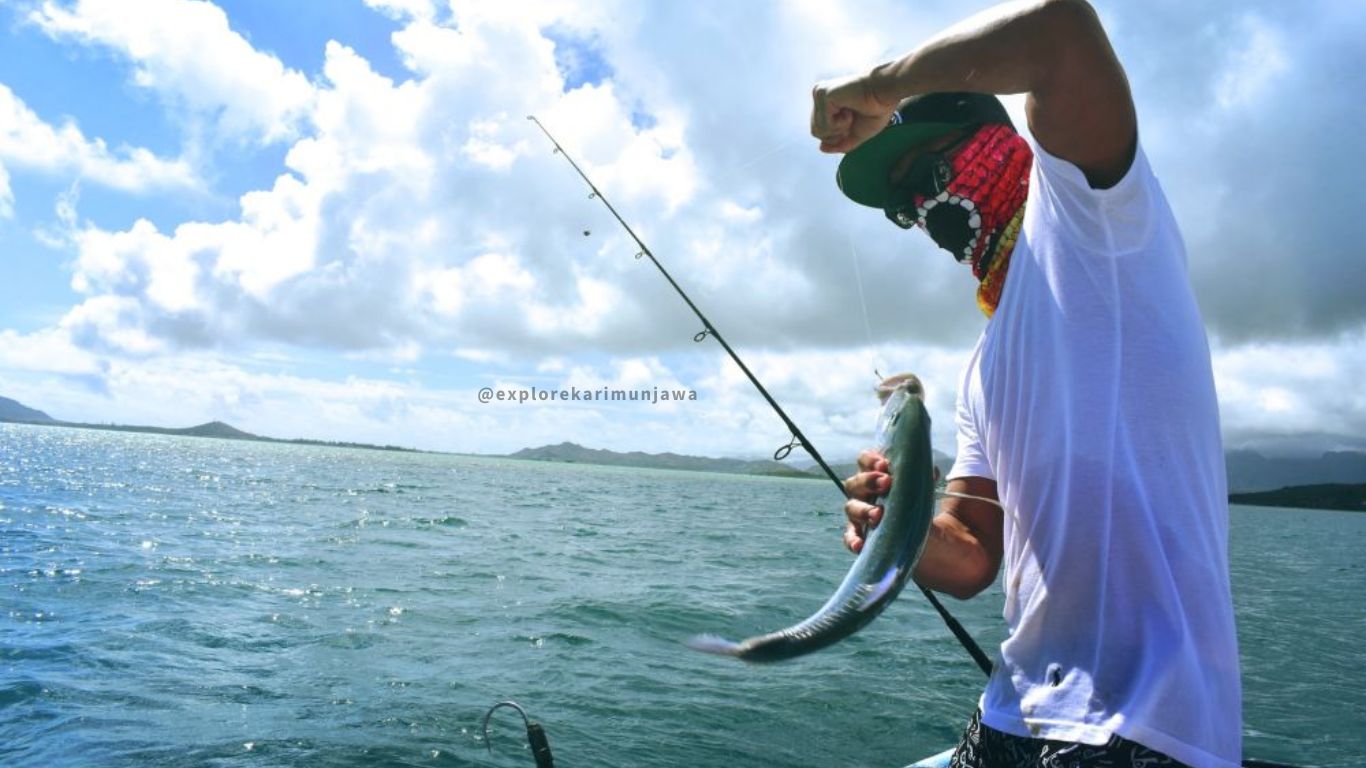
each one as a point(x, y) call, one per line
point(1089, 464)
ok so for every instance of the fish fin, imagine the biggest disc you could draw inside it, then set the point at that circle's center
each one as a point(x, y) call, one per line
point(875, 592)
point(713, 644)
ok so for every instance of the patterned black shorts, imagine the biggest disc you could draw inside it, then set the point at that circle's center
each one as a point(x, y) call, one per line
point(986, 747)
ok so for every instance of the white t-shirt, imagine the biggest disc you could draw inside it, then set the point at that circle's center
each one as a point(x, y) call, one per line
point(1090, 400)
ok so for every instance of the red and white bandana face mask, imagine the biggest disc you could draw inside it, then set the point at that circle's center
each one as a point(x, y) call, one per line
point(965, 196)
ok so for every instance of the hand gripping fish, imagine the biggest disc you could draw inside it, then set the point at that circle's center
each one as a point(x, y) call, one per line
point(889, 552)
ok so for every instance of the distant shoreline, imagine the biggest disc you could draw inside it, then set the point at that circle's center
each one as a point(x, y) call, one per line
point(214, 429)
point(1349, 497)
point(1341, 497)
point(573, 453)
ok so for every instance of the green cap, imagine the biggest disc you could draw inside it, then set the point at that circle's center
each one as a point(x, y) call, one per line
point(863, 173)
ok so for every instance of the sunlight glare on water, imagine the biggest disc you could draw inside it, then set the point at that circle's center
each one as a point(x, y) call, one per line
point(185, 602)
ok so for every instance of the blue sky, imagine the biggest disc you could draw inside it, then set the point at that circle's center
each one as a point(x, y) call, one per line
point(331, 219)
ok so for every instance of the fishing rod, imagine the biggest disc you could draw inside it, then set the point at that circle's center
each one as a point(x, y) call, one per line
point(798, 438)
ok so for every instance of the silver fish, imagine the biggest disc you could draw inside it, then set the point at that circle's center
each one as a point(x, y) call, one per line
point(889, 553)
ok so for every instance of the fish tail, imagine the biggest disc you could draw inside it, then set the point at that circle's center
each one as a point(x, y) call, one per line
point(713, 644)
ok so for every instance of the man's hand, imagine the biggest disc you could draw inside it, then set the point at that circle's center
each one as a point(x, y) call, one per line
point(1056, 51)
point(863, 489)
point(845, 113)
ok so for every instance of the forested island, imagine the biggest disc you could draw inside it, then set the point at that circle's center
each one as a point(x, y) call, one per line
point(1349, 497)
point(12, 412)
point(573, 453)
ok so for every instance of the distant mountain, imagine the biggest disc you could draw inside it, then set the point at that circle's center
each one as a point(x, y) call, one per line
point(220, 430)
point(1250, 471)
point(1343, 496)
point(211, 429)
point(577, 454)
point(12, 410)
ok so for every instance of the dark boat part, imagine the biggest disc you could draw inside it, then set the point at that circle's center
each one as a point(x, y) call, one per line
point(535, 735)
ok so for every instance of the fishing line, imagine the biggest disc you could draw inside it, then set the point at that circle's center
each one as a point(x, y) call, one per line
point(862, 297)
point(761, 156)
point(798, 438)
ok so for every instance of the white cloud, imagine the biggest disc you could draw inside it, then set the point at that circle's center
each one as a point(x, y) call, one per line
point(6, 195)
point(829, 396)
point(483, 145)
point(369, 124)
point(1253, 66)
point(113, 323)
point(185, 51)
point(1267, 392)
point(845, 41)
point(115, 262)
point(366, 240)
point(428, 217)
point(147, 290)
point(1281, 389)
point(275, 239)
point(402, 10)
point(636, 164)
point(492, 277)
point(400, 354)
point(584, 319)
point(47, 351)
point(28, 142)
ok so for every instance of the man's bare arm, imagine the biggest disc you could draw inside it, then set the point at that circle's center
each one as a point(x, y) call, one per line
point(1056, 51)
point(963, 552)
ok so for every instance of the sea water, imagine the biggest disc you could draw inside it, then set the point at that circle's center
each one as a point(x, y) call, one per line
point(171, 601)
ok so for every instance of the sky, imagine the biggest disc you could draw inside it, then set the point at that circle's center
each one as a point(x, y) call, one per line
point(332, 219)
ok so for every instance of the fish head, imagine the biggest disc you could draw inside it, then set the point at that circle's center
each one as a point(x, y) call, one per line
point(894, 393)
point(907, 382)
